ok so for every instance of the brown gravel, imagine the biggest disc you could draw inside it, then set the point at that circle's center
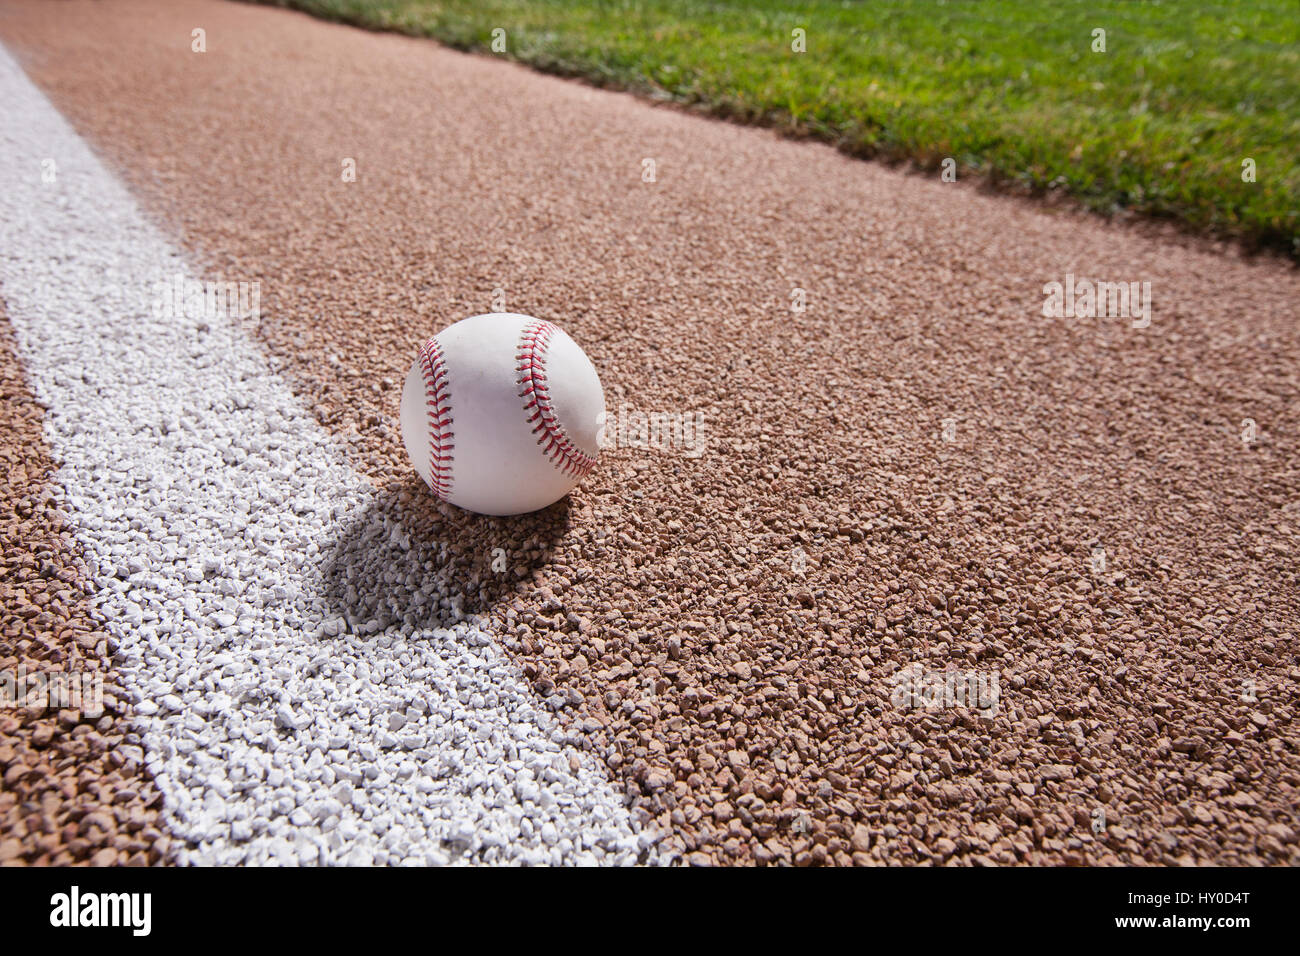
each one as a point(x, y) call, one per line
point(71, 792)
point(736, 697)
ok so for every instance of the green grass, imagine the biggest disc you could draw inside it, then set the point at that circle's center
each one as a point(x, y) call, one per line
point(1160, 123)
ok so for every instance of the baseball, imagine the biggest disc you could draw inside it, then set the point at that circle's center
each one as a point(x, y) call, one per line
point(501, 414)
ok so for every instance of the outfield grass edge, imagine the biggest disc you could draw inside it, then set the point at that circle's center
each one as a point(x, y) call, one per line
point(1132, 189)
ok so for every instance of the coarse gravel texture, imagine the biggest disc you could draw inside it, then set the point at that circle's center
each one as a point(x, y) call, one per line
point(919, 468)
point(73, 791)
point(303, 687)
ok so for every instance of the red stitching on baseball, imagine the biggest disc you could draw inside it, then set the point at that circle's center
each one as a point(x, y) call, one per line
point(440, 433)
point(562, 452)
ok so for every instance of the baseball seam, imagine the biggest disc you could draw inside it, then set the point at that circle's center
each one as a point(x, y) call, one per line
point(556, 444)
point(436, 400)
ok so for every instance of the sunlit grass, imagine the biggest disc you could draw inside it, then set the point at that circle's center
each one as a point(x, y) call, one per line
point(1160, 123)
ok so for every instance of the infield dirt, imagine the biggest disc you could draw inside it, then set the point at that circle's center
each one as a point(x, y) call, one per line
point(905, 463)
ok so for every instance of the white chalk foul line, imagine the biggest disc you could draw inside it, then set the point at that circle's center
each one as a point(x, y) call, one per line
point(206, 501)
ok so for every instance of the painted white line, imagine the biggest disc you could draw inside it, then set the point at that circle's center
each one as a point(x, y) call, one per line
point(208, 504)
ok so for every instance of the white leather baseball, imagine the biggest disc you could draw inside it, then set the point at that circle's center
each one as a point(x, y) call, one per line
point(501, 414)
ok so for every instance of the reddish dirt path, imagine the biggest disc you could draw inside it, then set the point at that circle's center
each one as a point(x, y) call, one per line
point(74, 790)
point(1092, 528)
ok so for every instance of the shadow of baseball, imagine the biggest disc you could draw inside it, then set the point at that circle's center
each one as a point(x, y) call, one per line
point(408, 560)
